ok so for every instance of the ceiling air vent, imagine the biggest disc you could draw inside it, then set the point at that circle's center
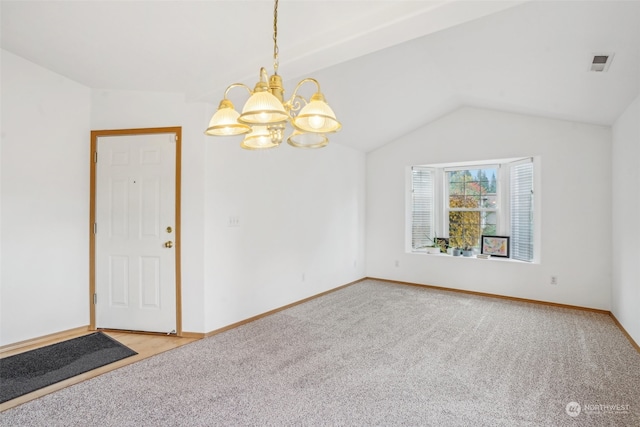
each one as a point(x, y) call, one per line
point(600, 62)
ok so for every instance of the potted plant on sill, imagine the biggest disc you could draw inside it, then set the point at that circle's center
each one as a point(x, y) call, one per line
point(433, 248)
point(467, 251)
point(454, 244)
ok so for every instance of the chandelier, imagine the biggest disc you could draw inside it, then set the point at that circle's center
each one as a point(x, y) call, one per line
point(265, 114)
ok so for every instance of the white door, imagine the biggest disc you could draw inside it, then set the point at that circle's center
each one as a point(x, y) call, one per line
point(135, 260)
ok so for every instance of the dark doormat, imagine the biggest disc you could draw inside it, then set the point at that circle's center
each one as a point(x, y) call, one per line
point(26, 372)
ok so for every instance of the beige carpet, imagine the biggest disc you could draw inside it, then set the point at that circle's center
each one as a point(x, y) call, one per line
point(374, 354)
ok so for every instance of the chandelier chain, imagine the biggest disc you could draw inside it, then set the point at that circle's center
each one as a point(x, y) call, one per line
point(276, 61)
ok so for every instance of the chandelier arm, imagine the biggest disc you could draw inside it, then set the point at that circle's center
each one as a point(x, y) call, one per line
point(295, 104)
point(295, 91)
point(226, 92)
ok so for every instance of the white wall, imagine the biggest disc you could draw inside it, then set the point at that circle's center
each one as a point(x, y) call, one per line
point(301, 226)
point(625, 304)
point(45, 202)
point(575, 202)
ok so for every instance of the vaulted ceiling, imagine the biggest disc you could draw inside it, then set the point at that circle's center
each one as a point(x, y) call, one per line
point(386, 67)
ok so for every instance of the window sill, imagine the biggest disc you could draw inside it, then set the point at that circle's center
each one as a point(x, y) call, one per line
point(474, 257)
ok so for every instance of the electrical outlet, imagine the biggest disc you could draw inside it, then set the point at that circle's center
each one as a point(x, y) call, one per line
point(554, 280)
point(234, 221)
point(397, 263)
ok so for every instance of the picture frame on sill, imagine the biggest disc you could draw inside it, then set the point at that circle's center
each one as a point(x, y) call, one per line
point(496, 246)
point(442, 243)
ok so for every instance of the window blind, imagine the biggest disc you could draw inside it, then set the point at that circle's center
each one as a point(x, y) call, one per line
point(422, 221)
point(522, 210)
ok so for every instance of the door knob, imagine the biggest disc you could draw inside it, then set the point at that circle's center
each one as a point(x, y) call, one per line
point(168, 244)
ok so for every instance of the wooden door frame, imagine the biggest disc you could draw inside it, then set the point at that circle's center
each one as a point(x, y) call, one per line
point(95, 134)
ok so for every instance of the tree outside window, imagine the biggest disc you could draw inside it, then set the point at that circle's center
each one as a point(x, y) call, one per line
point(472, 207)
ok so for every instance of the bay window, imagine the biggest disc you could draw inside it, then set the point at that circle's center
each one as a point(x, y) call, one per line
point(463, 202)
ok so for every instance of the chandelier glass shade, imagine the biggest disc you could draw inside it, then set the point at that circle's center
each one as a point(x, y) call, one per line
point(265, 114)
point(317, 117)
point(225, 121)
point(307, 140)
point(262, 108)
point(259, 138)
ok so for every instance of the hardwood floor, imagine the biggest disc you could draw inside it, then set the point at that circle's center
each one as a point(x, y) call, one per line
point(146, 345)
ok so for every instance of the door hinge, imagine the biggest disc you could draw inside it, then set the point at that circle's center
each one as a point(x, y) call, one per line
point(95, 228)
point(95, 299)
point(95, 157)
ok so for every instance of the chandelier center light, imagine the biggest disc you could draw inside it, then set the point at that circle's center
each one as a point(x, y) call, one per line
point(266, 114)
